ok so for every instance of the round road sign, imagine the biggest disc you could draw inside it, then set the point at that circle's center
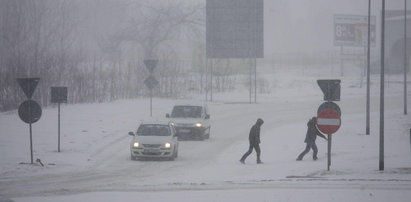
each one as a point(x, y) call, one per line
point(29, 111)
point(328, 121)
point(329, 105)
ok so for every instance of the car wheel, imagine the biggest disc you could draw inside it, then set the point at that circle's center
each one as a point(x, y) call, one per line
point(172, 158)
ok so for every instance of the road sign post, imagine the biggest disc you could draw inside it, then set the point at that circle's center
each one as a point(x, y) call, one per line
point(58, 95)
point(151, 81)
point(328, 122)
point(329, 139)
point(29, 111)
point(329, 113)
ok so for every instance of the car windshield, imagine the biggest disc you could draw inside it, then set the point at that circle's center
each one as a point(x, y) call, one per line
point(153, 130)
point(186, 112)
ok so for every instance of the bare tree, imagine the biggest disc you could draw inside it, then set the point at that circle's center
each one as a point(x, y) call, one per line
point(93, 47)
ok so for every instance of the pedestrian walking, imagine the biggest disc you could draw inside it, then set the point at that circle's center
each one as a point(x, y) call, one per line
point(310, 137)
point(254, 139)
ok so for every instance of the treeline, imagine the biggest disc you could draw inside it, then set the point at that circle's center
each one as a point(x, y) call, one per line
point(95, 47)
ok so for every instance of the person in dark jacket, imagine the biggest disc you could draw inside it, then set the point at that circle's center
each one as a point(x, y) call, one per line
point(254, 139)
point(310, 138)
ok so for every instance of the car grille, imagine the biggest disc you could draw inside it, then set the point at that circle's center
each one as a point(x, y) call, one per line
point(184, 124)
point(151, 145)
point(151, 153)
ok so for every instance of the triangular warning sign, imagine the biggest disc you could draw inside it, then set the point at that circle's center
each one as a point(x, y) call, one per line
point(331, 89)
point(151, 64)
point(28, 85)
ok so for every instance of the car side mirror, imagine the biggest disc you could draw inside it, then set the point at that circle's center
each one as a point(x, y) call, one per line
point(167, 115)
point(207, 116)
point(131, 133)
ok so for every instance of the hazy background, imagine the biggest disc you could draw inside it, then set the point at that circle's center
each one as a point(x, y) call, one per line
point(307, 25)
point(96, 47)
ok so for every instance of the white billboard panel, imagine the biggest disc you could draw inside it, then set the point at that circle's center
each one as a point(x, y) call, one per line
point(234, 28)
point(352, 30)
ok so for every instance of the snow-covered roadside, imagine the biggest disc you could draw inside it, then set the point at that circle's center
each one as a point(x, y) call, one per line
point(95, 154)
point(222, 195)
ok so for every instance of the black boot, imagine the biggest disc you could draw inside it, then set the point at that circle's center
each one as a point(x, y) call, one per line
point(242, 160)
point(259, 161)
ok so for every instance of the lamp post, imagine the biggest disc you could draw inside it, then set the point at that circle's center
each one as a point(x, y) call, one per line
point(367, 127)
point(405, 57)
point(381, 153)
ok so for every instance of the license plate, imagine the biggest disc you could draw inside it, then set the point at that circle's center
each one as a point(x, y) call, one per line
point(151, 150)
point(184, 130)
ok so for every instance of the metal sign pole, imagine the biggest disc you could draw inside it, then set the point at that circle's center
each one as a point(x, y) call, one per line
point(405, 57)
point(206, 80)
point(211, 81)
point(251, 82)
point(31, 136)
point(151, 81)
point(367, 127)
point(58, 148)
point(329, 152)
point(255, 80)
point(31, 144)
point(151, 102)
point(381, 152)
point(341, 62)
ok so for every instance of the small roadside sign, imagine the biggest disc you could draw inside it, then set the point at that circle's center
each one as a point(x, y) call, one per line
point(329, 105)
point(28, 85)
point(330, 88)
point(151, 64)
point(151, 82)
point(59, 94)
point(29, 111)
point(328, 121)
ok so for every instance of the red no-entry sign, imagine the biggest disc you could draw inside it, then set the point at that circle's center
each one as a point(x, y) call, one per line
point(328, 121)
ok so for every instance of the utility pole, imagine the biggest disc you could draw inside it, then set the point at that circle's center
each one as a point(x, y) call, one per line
point(367, 127)
point(381, 153)
point(405, 57)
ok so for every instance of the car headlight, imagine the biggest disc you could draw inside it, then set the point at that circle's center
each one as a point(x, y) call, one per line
point(198, 125)
point(167, 145)
point(136, 144)
point(172, 123)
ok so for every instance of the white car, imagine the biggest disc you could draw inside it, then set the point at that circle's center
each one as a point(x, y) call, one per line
point(155, 139)
point(191, 121)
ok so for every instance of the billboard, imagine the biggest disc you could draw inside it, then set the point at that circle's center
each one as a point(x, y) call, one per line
point(352, 30)
point(234, 29)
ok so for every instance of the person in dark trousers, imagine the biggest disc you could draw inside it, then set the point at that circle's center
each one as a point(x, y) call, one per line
point(254, 139)
point(310, 137)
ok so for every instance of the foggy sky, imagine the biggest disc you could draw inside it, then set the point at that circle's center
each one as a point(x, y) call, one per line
point(307, 25)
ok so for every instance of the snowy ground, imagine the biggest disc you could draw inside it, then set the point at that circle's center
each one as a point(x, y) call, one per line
point(95, 165)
